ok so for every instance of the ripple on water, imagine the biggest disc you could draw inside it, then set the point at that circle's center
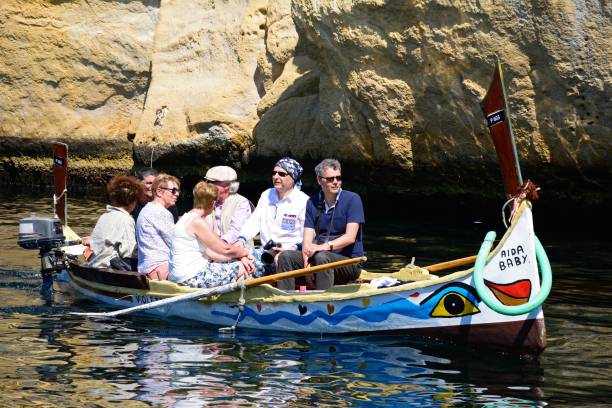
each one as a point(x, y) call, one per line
point(51, 358)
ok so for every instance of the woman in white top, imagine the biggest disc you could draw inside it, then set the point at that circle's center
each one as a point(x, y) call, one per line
point(113, 240)
point(198, 257)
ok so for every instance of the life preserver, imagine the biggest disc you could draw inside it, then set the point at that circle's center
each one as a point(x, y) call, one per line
point(490, 300)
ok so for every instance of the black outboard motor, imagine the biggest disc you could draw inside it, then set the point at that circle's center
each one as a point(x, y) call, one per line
point(46, 235)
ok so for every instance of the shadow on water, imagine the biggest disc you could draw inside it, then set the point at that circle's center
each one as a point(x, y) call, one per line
point(54, 358)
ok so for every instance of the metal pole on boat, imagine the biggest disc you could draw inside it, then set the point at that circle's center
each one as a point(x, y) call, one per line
point(507, 107)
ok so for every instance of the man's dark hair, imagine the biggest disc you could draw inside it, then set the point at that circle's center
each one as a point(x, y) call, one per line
point(145, 172)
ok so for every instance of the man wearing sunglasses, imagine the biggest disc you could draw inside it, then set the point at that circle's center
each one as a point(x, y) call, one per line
point(155, 226)
point(332, 232)
point(279, 215)
point(231, 209)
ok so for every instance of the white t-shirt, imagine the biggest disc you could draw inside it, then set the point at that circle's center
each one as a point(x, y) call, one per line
point(186, 251)
point(280, 220)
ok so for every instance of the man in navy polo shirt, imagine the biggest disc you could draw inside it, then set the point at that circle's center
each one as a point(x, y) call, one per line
point(332, 231)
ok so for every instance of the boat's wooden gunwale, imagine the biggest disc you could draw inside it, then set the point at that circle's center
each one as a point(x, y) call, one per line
point(271, 294)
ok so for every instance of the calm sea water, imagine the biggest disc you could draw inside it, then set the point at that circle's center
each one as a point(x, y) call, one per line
point(51, 358)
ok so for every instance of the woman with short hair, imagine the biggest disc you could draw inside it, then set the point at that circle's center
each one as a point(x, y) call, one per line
point(113, 240)
point(198, 257)
point(154, 227)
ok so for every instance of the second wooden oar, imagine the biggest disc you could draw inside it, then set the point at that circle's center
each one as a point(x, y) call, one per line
point(455, 263)
point(226, 288)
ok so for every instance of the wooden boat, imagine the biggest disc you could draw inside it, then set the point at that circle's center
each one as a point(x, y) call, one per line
point(423, 303)
point(496, 303)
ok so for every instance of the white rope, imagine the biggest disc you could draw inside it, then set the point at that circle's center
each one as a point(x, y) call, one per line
point(55, 201)
point(411, 264)
point(504, 212)
point(56, 198)
point(241, 303)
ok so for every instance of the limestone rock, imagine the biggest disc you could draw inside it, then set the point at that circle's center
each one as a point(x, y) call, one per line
point(282, 39)
point(300, 77)
point(380, 84)
point(74, 70)
point(414, 73)
point(203, 65)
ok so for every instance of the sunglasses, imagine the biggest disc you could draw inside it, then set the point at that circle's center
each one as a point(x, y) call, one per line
point(280, 173)
point(332, 178)
point(173, 190)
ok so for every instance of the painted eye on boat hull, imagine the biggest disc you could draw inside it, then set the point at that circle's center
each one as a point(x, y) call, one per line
point(452, 300)
point(454, 304)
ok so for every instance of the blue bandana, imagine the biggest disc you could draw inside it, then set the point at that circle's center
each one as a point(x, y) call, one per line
point(294, 169)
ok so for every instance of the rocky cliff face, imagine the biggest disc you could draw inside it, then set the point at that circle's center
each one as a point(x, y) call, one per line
point(391, 85)
point(75, 71)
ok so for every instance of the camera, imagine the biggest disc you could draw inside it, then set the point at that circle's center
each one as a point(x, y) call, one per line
point(268, 254)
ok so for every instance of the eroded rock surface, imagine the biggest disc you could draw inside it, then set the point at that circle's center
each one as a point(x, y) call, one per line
point(75, 71)
point(201, 104)
point(379, 84)
point(402, 80)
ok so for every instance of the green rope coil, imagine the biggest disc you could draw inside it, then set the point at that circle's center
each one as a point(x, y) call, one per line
point(487, 296)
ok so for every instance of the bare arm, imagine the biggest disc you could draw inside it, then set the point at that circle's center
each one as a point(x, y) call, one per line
point(308, 247)
point(213, 256)
point(346, 239)
point(215, 244)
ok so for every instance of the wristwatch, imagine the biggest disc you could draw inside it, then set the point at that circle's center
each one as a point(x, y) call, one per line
point(331, 246)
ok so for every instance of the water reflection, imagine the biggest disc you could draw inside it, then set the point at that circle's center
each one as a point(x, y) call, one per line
point(187, 366)
point(51, 358)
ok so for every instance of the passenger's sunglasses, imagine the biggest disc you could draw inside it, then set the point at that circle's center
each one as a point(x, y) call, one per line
point(280, 173)
point(173, 190)
point(332, 178)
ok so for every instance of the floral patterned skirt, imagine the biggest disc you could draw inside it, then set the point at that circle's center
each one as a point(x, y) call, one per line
point(214, 274)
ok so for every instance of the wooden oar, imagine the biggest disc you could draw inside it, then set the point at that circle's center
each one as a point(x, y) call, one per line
point(304, 271)
point(455, 263)
point(227, 288)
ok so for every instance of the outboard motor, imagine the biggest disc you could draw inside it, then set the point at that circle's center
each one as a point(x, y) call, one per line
point(46, 235)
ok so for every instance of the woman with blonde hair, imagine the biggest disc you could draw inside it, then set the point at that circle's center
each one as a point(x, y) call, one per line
point(198, 257)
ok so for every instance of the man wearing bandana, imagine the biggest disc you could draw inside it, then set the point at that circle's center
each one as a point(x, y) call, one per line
point(279, 215)
point(332, 232)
